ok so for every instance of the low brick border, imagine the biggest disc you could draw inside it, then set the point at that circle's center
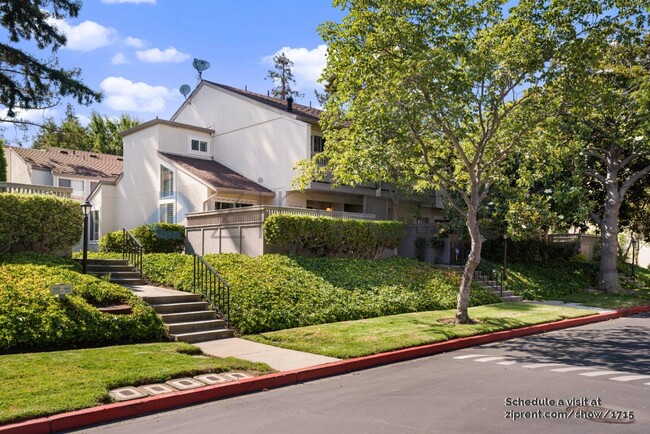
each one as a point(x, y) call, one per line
point(137, 407)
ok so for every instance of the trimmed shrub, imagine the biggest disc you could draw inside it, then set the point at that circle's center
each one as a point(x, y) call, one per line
point(39, 223)
point(155, 238)
point(31, 318)
point(529, 251)
point(275, 292)
point(325, 236)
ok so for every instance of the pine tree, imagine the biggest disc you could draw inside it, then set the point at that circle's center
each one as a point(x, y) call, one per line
point(282, 76)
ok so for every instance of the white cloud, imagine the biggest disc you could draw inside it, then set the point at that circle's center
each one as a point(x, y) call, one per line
point(124, 95)
point(83, 120)
point(134, 42)
point(153, 2)
point(118, 59)
point(86, 36)
point(36, 116)
point(308, 64)
point(155, 55)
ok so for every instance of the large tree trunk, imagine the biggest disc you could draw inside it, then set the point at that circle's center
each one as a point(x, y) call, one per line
point(474, 258)
point(608, 276)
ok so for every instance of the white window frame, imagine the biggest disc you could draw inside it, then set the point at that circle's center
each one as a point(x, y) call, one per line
point(162, 216)
point(199, 151)
point(160, 181)
point(313, 144)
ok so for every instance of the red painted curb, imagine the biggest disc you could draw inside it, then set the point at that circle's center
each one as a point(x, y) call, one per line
point(34, 426)
point(122, 410)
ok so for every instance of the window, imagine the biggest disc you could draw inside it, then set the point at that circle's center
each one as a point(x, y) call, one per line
point(166, 211)
point(93, 185)
point(65, 183)
point(317, 144)
point(197, 145)
point(230, 205)
point(166, 182)
point(94, 225)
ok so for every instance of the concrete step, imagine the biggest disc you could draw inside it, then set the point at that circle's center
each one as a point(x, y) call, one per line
point(504, 294)
point(201, 315)
point(109, 268)
point(128, 281)
point(511, 299)
point(203, 336)
point(105, 261)
point(196, 326)
point(117, 275)
point(180, 307)
point(174, 298)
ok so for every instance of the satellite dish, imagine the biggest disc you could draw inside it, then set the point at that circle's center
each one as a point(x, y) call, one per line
point(185, 90)
point(200, 66)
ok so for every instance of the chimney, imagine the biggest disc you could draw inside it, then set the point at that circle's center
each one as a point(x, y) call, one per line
point(289, 103)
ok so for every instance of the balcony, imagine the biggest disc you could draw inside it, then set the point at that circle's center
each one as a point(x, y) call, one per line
point(11, 187)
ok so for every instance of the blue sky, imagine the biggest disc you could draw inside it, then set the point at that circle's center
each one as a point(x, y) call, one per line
point(139, 52)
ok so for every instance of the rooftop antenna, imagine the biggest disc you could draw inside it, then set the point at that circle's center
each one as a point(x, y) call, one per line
point(200, 66)
point(185, 90)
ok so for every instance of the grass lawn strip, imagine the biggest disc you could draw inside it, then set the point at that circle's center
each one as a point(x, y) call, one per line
point(39, 384)
point(377, 335)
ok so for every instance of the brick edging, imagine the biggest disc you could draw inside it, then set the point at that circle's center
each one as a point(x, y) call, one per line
point(127, 409)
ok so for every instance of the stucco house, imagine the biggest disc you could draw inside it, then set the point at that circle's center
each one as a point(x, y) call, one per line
point(227, 158)
point(65, 172)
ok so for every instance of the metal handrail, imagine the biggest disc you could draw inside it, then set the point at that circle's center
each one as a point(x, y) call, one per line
point(212, 287)
point(493, 275)
point(132, 250)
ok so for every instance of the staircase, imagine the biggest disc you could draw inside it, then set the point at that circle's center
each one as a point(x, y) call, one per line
point(186, 316)
point(484, 282)
point(495, 288)
point(119, 271)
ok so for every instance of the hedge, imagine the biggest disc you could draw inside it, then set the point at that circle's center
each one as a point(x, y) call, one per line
point(31, 318)
point(40, 223)
point(155, 238)
point(275, 292)
point(325, 236)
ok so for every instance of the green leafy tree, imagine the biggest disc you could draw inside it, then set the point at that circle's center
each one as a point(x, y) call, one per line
point(282, 76)
point(461, 80)
point(605, 120)
point(26, 82)
point(3, 162)
point(104, 132)
point(70, 134)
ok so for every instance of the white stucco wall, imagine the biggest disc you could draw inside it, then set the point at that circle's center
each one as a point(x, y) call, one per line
point(257, 141)
point(17, 170)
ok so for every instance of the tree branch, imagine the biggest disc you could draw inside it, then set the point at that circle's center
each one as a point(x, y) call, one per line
point(632, 179)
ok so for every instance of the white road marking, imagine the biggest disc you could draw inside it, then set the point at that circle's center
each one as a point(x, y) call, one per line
point(489, 359)
point(630, 377)
point(541, 365)
point(509, 362)
point(601, 373)
point(571, 369)
point(470, 356)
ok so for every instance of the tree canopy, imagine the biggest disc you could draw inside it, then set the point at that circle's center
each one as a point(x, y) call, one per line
point(454, 87)
point(26, 82)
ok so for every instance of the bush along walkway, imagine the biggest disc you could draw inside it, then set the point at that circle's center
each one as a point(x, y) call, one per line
point(187, 317)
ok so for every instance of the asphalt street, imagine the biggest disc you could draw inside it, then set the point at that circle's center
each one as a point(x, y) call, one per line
point(590, 379)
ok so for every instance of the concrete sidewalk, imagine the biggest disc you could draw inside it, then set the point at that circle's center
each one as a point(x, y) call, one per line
point(279, 359)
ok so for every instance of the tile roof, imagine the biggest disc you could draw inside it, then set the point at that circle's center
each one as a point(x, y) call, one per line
point(69, 162)
point(299, 109)
point(216, 174)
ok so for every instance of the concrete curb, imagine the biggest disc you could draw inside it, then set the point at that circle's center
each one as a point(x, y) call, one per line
point(137, 407)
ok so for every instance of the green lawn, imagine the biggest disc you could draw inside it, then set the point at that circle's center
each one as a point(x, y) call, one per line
point(371, 336)
point(38, 384)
